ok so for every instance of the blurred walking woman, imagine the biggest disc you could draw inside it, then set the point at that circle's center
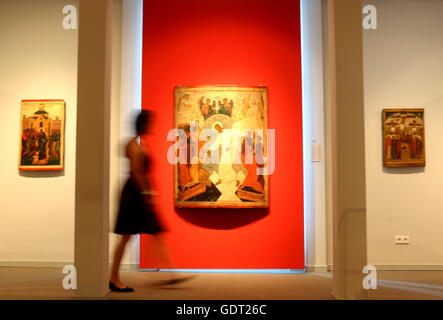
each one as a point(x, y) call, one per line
point(136, 214)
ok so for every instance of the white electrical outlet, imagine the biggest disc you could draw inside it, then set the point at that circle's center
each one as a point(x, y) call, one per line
point(315, 153)
point(401, 239)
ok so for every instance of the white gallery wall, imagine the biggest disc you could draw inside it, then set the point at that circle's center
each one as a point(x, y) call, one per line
point(128, 106)
point(403, 67)
point(38, 60)
point(313, 133)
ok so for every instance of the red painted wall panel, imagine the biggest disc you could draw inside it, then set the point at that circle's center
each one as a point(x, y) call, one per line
point(241, 42)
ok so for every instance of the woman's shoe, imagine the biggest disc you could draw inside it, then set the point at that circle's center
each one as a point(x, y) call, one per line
point(113, 287)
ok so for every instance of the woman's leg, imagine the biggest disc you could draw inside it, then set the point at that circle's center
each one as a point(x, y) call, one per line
point(118, 255)
point(160, 248)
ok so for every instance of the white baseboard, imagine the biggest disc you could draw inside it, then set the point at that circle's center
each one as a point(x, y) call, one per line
point(317, 268)
point(129, 266)
point(408, 267)
point(57, 264)
point(39, 264)
point(403, 267)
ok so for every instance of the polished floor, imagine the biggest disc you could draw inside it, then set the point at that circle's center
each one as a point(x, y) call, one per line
point(46, 283)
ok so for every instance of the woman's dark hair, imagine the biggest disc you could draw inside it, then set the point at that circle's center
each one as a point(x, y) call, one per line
point(143, 121)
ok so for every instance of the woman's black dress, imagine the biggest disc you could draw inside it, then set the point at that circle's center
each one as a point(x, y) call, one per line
point(135, 215)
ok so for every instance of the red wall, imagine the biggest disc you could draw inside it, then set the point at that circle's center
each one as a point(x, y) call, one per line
point(239, 42)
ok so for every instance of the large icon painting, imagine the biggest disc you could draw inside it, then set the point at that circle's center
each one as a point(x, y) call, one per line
point(42, 125)
point(237, 118)
point(403, 138)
